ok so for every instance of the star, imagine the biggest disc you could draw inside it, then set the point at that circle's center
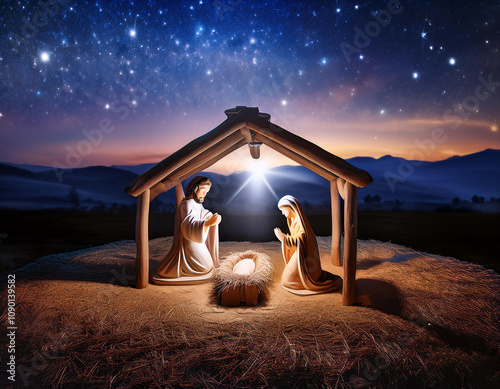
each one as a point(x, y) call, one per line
point(254, 50)
point(45, 56)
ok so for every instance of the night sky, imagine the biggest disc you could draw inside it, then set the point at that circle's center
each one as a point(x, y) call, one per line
point(129, 82)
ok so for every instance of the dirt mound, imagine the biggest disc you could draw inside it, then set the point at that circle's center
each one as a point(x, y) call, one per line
point(420, 320)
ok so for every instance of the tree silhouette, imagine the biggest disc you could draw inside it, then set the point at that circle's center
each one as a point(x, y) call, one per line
point(377, 199)
point(368, 199)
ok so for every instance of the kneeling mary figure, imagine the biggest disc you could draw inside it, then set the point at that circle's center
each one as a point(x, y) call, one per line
point(303, 273)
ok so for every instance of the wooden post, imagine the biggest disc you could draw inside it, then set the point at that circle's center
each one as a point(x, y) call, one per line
point(142, 239)
point(350, 242)
point(336, 224)
point(341, 187)
point(179, 194)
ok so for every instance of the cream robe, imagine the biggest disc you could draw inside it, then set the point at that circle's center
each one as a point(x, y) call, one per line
point(194, 251)
point(301, 255)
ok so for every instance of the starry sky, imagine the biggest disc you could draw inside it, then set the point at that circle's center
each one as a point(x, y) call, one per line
point(129, 82)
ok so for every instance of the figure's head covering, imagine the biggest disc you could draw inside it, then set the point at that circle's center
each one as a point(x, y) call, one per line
point(195, 183)
point(310, 265)
point(292, 202)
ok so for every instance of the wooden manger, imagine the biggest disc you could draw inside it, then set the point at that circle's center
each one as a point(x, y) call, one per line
point(246, 125)
point(236, 289)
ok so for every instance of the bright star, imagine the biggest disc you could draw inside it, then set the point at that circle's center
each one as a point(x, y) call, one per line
point(415, 75)
point(132, 33)
point(107, 106)
point(452, 61)
point(258, 169)
point(44, 56)
point(283, 102)
point(324, 61)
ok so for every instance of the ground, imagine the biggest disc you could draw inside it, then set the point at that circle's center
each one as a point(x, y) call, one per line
point(420, 320)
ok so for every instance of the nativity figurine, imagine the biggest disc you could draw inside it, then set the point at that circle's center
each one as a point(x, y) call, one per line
point(303, 274)
point(195, 248)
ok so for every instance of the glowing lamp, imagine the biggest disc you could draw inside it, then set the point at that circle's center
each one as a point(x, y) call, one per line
point(255, 149)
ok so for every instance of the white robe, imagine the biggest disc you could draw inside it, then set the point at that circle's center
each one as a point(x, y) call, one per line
point(194, 251)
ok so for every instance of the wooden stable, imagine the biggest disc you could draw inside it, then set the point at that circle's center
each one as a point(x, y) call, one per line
point(246, 125)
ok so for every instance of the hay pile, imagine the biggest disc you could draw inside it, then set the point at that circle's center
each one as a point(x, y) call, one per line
point(224, 277)
point(420, 321)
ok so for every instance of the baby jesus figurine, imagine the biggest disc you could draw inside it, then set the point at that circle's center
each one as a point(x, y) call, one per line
point(303, 273)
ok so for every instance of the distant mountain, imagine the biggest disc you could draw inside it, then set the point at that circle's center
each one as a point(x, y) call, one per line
point(396, 180)
point(433, 182)
point(31, 168)
point(86, 187)
point(138, 169)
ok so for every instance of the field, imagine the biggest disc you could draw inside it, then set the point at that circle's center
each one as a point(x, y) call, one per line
point(467, 236)
point(420, 321)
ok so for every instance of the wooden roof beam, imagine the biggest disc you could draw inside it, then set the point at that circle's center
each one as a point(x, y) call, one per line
point(199, 163)
point(296, 157)
point(184, 155)
point(314, 153)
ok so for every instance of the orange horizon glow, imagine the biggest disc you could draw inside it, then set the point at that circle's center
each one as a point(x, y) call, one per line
point(370, 135)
